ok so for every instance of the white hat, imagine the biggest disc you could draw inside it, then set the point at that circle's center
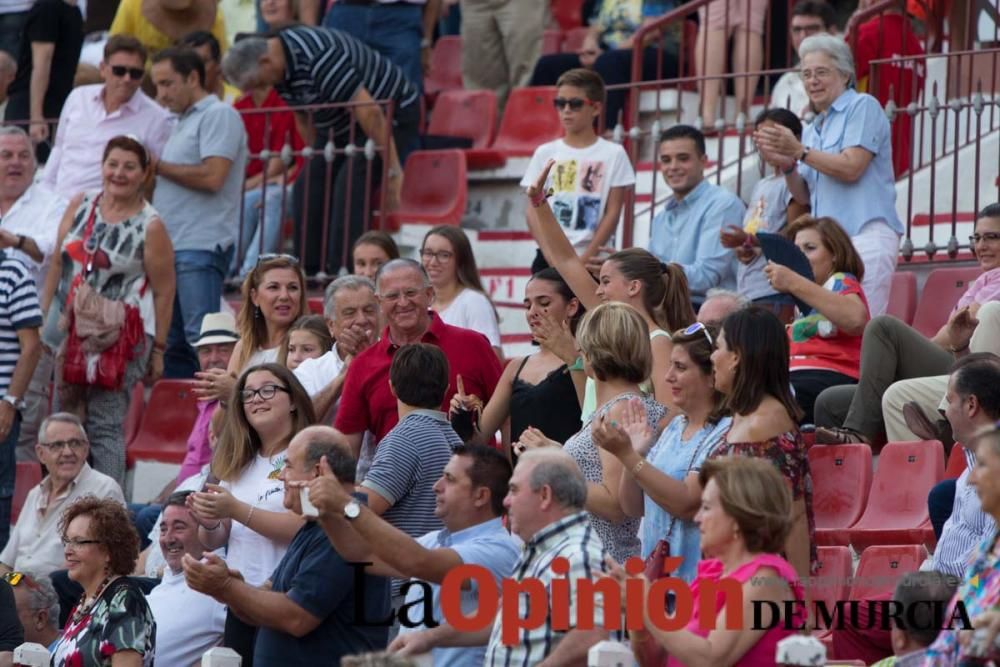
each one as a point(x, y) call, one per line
point(216, 329)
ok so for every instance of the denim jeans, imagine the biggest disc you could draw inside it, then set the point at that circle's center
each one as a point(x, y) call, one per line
point(394, 30)
point(8, 469)
point(200, 274)
point(277, 204)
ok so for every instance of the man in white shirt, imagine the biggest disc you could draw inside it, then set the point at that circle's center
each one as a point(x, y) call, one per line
point(29, 224)
point(94, 114)
point(35, 542)
point(187, 622)
point(809, 17)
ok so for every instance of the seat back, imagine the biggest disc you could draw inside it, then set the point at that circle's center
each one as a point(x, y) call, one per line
point(470, 114)
point(435, 186)
point(956, 462)
point(573, 39)
point(943, 289)
point(833, 580)
point(136, 406)
point(882, 566)
point(906, 472)
point(166, 425)
point(903, 296)
point(842, 478)
point(551, 41)
point(445, 72)
point(529, 120)
point(27, 475)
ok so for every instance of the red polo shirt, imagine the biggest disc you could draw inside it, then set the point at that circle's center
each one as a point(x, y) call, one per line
point(368, 404)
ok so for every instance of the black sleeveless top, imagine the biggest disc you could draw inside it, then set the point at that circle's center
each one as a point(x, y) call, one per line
point(550, 406)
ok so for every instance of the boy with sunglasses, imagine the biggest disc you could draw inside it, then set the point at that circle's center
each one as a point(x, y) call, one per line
point(591, 174)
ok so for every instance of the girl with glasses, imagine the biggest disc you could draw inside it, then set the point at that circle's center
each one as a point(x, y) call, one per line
point(245, 511)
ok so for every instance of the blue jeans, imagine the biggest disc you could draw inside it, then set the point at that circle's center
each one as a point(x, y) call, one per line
point(394, 30)
point(274, 216)
point(200, 274)
point(8, 469)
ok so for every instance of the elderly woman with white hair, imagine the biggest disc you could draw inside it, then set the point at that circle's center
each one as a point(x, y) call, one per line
point(842, 167)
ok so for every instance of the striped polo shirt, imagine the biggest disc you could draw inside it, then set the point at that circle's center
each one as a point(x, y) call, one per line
point(325, 66)
point(18, 310)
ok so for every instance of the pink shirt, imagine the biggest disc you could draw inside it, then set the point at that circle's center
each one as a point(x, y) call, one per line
point(198, 450)
point(761, 653)
point(984, 289)
point(84, 130)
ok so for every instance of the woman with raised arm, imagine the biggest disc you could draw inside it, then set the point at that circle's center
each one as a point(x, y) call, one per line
point(658, 291)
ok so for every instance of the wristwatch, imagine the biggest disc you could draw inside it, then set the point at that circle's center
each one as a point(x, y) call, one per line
point(15, 401)
point(352, 510)
point(805, 152)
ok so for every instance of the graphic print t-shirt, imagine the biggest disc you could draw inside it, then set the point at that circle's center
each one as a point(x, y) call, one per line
point(580, 181)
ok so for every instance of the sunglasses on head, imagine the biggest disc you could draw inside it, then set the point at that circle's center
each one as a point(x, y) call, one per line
point(695, 328)
point(574, 103)
point(134, 73)
point(267, 257)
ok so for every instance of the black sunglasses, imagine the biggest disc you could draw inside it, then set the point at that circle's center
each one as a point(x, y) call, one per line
point(575, 103)
point(135, 73)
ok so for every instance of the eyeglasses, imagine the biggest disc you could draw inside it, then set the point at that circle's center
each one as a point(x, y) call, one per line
point(268, 256)
point(58, 445)
point(811, 29)
point(985, 237)
point(266, 393)
point(818, 73)
point(408, 294)
point(134, 73)
point(695, 328)
point(574, 103)
point(76, 543)
point(441, 255)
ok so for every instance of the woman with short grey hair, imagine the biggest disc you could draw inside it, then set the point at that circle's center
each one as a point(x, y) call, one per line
point(842, 167)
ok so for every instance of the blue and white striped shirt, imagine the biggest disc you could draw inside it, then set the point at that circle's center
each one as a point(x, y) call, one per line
point(18, 310)
point(965, 529)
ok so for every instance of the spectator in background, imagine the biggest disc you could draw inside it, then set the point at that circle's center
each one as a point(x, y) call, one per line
point(372, 249)
point(116, 241)
point(607, 50)
point(13, 14)
point(686, 231)
point(159, 24)
point(742, 21)
point(8, 70)
point(46, 65)
point(405, 294)
point(37, 607)
point(842, 168)
point(63, 448)
point(187, 622)
point(29, 224)
point(198, 186)
point(315, 66)
point(884, 36)
point(308, 338)
point(276, 14)
point(501, 42)
point(11, 632)
point(592, 175)
point(809, 17)
point(307, 609)
point(719, 303)
point(208, 49)
point(267, 186)
point(94, 114)
point(459, 297)
point(924, 593)
point(402, 31)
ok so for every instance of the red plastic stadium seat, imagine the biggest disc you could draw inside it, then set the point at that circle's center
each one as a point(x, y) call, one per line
point(956, 462)
point(842, 477)
point(903, 296)
point(943, 289)
point(529, 120)
point(136, 405)
point(568, 13)
point(27, 475)
point(882, 566)
point(551, 41)
point(897, 506)
point(445, 71)
point(573, 39)
point(315, 306)
point(166, 425)
point(434, 189)
point(832, 582)
point(470, 114)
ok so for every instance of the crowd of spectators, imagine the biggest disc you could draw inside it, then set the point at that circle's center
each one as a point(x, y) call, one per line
point(341, 465)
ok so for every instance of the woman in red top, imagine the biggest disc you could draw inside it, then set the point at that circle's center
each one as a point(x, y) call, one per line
point(825, 343)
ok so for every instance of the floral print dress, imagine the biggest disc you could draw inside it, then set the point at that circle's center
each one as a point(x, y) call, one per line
point(120, 620)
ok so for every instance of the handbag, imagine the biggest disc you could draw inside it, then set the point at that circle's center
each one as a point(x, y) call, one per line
point(102, 333)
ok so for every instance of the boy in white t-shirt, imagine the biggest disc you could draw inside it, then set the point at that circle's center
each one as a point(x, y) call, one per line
point(590, 175)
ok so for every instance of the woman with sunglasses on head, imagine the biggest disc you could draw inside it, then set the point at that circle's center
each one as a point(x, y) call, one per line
point(658, 291)
point(750, 365)
point(459, 297)
point(274, 297)
point(111, 243)
point(112, 626)
point(244, 511)
point(659, 475)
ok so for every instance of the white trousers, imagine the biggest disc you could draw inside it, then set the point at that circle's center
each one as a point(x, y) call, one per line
point(878, 246)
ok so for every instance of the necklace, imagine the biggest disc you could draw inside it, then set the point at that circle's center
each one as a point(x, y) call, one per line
point(84, 607)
